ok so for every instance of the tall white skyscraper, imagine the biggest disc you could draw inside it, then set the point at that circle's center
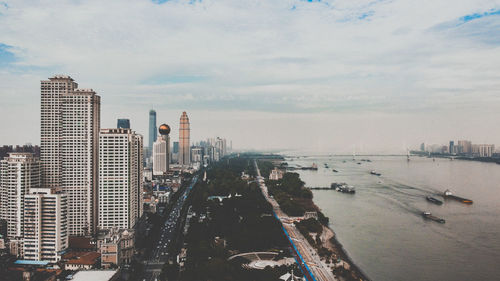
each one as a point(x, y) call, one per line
point(19, 173)
point(70, 121)
point(45, 225)
point(184, 142)
point(120, 178)
point(161, 151)
point(51, 130)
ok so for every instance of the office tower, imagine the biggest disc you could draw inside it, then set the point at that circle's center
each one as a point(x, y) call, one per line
point(175, 148)
point(196, 154)
point(422, 147)
point(19, 173)
point(123, 123)
point(184, 144)
point(465, 146)
point(175, 152)
point(120, 178)
point(152, 131)
point(45, 225)
point(452, 147)
point(70, 121)
point(161, 151)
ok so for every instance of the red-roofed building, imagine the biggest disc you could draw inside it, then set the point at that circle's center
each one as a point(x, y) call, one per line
point(81, 260)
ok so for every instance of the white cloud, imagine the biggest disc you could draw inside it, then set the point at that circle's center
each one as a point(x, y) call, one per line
point(325, 57)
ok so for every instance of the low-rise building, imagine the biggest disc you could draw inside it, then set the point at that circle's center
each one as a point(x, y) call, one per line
point(116, 246)
point(276, 174)
point(96, 275)
point(81, 260)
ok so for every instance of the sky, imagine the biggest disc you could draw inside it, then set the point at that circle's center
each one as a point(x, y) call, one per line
point(306, 75)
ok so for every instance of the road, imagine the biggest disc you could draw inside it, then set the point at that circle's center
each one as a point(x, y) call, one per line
point(160, 254)
point(307, 254)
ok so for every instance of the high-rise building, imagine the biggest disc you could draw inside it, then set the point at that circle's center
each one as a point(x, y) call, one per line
point(70, 121)
point(175, 147)
point(422, 147)
point(152, 131)
point(451, 148)
point(220, 145)
point(184, 142)
point(175, 152)
point(196, 154)
point(120, 178)
point(19, 173)
point(123, 123)
point(485, 150)
point(465, 147)
point(161, 151)
point(45, 225)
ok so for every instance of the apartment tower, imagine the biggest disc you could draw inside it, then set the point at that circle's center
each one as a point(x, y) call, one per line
point(70, 121)
point(120, 178)
point(45, 225)
point(19, 173)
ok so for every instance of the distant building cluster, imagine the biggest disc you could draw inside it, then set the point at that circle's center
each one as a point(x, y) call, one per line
point(167, 161)
point(461, 148)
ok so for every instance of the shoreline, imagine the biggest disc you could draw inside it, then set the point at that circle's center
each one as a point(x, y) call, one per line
point(334, 244)
point(338, 262)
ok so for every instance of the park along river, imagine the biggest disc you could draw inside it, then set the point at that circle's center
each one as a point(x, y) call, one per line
point(381, 227)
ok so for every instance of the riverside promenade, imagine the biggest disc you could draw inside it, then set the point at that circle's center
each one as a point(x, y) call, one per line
point(307, 257)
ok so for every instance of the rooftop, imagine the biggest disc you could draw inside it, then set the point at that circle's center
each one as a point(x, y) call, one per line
point(84, 258)
point(61, 76)
point(76, 242)
point(94, 275)
point(28, 262)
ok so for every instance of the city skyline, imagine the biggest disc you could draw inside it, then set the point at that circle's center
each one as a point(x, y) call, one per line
point(382, 76)
point(191, 140)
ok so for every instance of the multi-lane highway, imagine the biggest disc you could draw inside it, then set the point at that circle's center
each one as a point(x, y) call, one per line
point(161, 252)
point(315, 269)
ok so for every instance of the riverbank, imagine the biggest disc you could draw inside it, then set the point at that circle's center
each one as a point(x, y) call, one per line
point(381, 227)
point(346, 268)
point(330, 242)
point(297, 202)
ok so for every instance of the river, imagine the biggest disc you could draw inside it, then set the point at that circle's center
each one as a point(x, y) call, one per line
point(381, 226)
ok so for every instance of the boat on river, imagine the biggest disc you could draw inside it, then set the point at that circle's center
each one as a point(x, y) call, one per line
point(429, 216)
point(449, 195)
point(434, 200)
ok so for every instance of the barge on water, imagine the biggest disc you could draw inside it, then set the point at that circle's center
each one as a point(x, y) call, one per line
point(429, 216)
point(434, 200)
point(344, 188)
point(448, 195)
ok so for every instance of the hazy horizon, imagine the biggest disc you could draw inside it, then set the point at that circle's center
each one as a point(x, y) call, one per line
point(317, 75)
